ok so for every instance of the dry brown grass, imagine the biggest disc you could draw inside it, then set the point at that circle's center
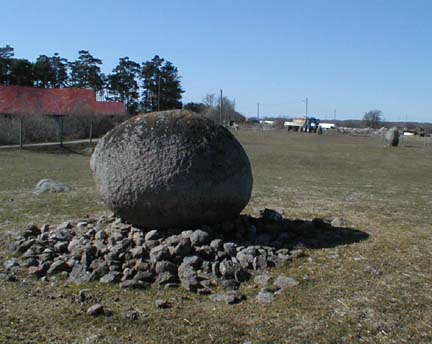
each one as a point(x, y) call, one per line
point(375, 291)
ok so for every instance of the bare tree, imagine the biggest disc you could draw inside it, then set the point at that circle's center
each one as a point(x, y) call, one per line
point(373, 118)
point(210, 100)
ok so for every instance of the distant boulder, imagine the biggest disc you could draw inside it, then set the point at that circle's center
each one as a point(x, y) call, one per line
point(172, 169)
point(49, 185)
point(392, 137)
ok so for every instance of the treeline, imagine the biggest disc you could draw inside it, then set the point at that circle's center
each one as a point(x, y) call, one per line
point(144, 87)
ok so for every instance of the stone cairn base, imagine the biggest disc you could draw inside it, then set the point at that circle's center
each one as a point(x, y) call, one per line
point(201, 260)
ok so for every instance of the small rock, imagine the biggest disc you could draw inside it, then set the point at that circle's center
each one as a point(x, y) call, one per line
point(199, 238)
point(259, 263)
point(101, 235)
point(64, 225)
point(284, 282)
point(31, 231)
point(132, 315)
point(183, 248)
point(193, 261)
point(57, 267)
point(138, 252)
point(217, 244)
point(166, 278)
point(163, 304)
point(79, 275)
point(271, 215)
point(83, 295)
point(95, 310)
point(165, 266)
point(264, 297)
point(61, 247)
point(153, 235)
point(230, 297)
point(159, 253)
point(338, 222)
point(39, 270)
point(230, 284)
point(9, 264)
point(49, 185)
point(263, 280)
point(111, 277)
point(145, 276)
point(133, 284)
point(230, 248)
point(373, 270)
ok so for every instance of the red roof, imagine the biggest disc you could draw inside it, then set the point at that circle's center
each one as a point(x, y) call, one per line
point(19, 100)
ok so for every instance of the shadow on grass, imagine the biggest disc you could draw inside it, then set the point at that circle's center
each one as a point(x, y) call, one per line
point(272, 230)
point(84, 149)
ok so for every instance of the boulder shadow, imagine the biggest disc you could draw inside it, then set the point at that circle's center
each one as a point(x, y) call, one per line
point(84, 149)
point(277, 232)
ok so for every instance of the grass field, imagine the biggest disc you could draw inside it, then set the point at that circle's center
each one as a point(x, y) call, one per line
point(375, 291)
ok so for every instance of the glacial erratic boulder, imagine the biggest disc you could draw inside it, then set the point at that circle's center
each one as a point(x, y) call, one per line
point(392, 137)
point(172, 169)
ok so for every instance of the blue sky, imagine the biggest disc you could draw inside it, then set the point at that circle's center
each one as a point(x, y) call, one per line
point(351, 55)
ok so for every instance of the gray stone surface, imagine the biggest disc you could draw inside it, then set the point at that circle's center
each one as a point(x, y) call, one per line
point(263, 279)
point(199, 237)
point(392, 137)
point(230, 297)
point(79, 254)
point(49, 185)
point(172, 169)
point(264, 297)
point(162, 304)
point(95, 310)
point(284, 282)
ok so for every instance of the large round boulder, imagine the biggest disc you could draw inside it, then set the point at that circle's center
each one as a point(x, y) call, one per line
point(392, 137)
point(172, 169)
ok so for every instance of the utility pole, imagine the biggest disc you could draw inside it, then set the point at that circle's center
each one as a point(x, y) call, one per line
point(159, 92)
point(306, 125)
point(220, 110)
point(334, 114)
point(258, 104)
point(21, 133)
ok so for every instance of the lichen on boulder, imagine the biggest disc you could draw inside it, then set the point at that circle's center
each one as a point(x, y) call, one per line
point(172, 169)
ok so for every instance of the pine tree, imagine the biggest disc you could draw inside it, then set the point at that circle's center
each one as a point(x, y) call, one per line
point(161, 84)
point(86, 73)
point(123, 85)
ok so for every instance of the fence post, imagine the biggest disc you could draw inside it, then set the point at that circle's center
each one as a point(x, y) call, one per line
point(91, 131)
point(21, 133)
point(61, 131)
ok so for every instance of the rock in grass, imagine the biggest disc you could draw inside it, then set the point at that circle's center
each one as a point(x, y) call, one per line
point(263, 279)
point(49, 185)
point(9, 264)
point(392, 137)
point(265, 296)
point(95, 310)
point(284, 282)
point(163, 304)
point(172, 169)
point(230, 297)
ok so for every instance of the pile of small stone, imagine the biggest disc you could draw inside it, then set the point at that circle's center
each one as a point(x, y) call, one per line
point(201, 260)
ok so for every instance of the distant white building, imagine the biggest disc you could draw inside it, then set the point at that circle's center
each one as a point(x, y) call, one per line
point(267, 122)
point(408, 133)
point(327, 125)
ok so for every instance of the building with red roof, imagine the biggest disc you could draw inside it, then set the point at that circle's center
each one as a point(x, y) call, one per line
point(28, 101)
